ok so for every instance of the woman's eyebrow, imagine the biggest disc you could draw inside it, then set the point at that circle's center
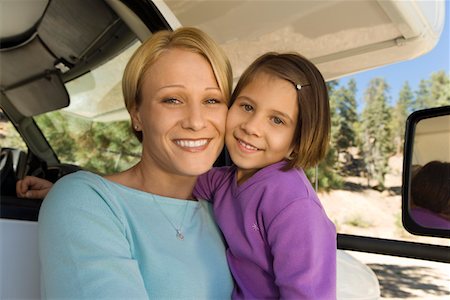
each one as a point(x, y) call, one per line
point(171, 86)
point(183, 86)
point(212, 88)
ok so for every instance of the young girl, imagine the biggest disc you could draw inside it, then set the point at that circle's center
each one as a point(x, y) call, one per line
point(281, 243)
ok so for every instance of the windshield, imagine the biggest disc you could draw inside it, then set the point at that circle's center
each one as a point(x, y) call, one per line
point(94, 131)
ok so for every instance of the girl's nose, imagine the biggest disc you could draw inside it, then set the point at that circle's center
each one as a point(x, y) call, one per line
point(194, 119)
point(251, 126)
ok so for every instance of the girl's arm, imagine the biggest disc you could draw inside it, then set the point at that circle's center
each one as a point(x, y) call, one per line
point(83, 246)
point(303, 243)
point(32, 187)
point(208, 183)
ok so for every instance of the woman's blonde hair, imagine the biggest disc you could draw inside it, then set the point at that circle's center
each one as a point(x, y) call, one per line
point(187, 38)
point(311, 137)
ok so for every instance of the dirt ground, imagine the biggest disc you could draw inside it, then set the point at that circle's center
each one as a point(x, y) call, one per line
point(359, 210)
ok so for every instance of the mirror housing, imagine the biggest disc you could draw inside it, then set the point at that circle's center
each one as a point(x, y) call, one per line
point(427, 143)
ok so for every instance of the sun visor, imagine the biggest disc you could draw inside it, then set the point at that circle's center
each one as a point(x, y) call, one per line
point(60, 25)
point(32, 97)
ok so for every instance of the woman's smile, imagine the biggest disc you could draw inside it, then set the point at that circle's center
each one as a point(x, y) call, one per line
point(192, 145)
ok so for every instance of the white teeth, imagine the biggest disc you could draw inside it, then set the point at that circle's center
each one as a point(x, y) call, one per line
point(191, 143)
point(247, 146)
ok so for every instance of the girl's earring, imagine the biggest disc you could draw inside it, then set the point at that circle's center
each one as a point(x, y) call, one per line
point(136, 127)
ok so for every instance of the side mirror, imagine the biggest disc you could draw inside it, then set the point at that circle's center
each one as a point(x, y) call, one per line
point(426, 173)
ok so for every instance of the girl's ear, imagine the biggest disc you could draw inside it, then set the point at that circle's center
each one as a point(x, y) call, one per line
point(291, 153)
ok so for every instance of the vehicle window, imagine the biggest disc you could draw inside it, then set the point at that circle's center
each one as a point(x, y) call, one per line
point(94, 132)
point(360, 180)
point(9, 136)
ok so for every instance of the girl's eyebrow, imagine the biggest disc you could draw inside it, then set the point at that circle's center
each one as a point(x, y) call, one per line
point(245, 98)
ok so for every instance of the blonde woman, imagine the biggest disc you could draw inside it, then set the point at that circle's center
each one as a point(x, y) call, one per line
point(140, 234)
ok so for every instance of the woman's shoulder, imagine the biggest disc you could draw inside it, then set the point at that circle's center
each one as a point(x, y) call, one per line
point(81, 189)
point(81, 182)
point(79, 177)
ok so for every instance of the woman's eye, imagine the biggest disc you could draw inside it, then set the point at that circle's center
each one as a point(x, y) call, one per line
point(247, 107)
point(277, 120)
point(171, 101)
point(212, 101)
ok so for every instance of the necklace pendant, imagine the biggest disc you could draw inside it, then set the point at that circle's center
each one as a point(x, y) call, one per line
point(180, 236)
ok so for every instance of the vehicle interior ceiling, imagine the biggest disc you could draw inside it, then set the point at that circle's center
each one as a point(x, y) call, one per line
point(52, 43)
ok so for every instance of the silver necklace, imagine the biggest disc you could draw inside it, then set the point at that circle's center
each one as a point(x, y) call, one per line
point(179, 234)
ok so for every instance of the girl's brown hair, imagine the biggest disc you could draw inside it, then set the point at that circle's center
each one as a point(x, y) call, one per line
point(187, 38)
point(312, 134)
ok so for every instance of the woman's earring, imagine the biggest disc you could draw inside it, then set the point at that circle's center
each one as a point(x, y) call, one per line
point(136, 127)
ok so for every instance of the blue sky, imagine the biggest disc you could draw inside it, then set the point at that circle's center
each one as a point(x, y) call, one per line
point(412, 71)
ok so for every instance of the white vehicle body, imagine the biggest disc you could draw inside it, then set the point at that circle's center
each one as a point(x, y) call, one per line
point(341, 37)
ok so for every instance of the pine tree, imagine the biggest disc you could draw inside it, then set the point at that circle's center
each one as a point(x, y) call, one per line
point(423, 99)
point(400, 113)
point(346, 116)
point(326, 170)
point(440, 88)
point(375, 130)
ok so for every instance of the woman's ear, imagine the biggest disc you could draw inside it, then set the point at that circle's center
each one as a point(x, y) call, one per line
point(136, 119)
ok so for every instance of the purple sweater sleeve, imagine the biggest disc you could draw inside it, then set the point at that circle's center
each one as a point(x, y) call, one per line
point(207, 184)
point(303, 243)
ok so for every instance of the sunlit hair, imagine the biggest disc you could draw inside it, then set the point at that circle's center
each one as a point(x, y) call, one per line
point(186, 38)
point(312, 134)
point(430, 187)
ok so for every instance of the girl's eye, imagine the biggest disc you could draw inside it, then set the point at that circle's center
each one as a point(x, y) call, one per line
point(171, 101)
point(247, 107)
point(277, 121)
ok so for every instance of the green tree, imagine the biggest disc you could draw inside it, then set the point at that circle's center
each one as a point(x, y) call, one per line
point(400, 114)
point(113, 147)
point(440, 88)
point(375, 130)
point(433, 92)
point(56, 128)
point(327, 175)
point(423, 99)
point(102, 148)
point(345, 116)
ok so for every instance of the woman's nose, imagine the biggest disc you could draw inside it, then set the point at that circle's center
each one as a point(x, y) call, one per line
point(194, 119)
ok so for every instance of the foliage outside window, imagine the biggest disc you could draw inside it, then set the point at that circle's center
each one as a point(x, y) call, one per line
point(102, 148)
point(363, 141)
point(9, 136)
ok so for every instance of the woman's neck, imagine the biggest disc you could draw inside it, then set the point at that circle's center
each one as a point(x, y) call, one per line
point(153, 180)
